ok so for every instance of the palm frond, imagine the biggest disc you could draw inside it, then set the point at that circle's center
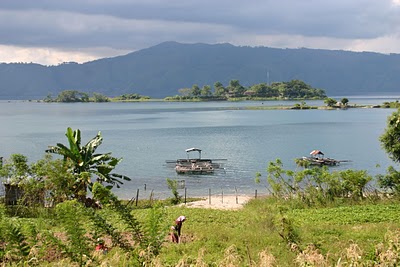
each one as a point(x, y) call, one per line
point(74, 139)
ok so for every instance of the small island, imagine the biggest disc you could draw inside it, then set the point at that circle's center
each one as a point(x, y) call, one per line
point(234, 91)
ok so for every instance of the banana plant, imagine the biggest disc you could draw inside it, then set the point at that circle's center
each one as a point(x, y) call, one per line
point(87, 163)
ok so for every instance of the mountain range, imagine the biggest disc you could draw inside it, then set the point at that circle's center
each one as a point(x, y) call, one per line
point(163, 69)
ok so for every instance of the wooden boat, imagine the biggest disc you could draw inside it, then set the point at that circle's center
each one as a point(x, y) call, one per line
point(192, 165)
point(194, 168)
point(320, 161)
point(317, 158)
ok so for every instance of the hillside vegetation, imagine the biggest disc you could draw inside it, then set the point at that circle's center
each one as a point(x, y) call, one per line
point(162, 70)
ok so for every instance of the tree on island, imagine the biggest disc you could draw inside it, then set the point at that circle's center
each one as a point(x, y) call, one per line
point(344, 101)
point(206, 91)
point(330, 102)
point(294, 89)
point(100, 98)
point(72, 96)
point(195, 90)
point(235, 88)
point(219, 89)
point(127, 97)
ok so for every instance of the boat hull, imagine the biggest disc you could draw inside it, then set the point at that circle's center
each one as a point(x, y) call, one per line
point(199, 166)
point(320, 161)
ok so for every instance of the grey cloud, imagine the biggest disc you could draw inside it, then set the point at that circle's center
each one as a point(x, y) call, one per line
point(38, 27)
point(133, 24)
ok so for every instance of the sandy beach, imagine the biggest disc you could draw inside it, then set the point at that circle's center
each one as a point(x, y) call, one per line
point(225, 202)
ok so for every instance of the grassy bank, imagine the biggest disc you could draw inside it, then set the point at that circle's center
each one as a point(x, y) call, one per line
point(265, 232)
point(288, 235)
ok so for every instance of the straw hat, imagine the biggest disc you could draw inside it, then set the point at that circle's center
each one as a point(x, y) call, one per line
point(181, 218)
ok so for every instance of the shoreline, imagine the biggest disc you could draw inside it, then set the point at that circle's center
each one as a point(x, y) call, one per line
point(222, 202)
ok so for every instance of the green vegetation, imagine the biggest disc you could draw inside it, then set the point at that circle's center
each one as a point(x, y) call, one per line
point(294, 89)
point(86, 162)
point(394, 104)
point(131, 97)
point(330, 102)
point(266, 231)
point(146, 72)
point(70, 96)
point(390, 141)
point(173, 186)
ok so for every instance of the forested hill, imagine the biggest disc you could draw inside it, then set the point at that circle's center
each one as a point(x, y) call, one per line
point(162, 70)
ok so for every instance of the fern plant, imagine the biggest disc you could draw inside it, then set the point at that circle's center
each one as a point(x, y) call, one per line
point(106, 197)
point(156, 229)
point(16, 243)
point(72, 217)
point(102, 227)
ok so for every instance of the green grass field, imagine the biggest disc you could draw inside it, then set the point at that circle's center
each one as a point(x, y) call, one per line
point(259, 228)
point(265, 232)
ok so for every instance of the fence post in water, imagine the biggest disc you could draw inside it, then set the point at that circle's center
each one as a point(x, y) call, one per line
point(209, 196)
point(236, 195)
point(137, 197)
point(144, 187)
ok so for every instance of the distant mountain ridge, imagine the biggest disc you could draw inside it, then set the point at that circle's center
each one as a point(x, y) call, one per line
point(162, 70)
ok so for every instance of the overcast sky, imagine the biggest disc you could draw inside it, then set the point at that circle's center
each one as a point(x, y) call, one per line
point(50, 32)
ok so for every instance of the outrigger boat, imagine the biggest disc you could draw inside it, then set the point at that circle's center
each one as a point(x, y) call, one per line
point(192, 165)
point(317, 158)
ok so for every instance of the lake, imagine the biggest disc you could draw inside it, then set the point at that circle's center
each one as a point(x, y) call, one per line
point(146, 134)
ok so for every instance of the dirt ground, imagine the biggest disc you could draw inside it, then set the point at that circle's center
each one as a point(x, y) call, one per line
point(226, 202)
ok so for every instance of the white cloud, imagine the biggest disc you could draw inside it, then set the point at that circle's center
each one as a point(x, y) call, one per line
point(51, 56)
point(385, 44)
point(396, 2)
point(52, 32)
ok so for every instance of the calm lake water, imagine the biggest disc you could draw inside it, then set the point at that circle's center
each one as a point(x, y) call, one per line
point(145, 135)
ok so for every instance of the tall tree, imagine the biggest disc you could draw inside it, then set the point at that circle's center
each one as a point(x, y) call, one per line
point(196, 90)
point(259, 89)
point(87, 162)
point(185, 92)
point(390, 139)
point(72, 96)
point(330, 102)
point(344, 101)
point(100, 98)
point(206, 91)
point(236, 88)
point(219, 89)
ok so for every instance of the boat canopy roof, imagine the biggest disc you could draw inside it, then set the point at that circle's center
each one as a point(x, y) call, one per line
point(316, 152)
point(193, 149)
